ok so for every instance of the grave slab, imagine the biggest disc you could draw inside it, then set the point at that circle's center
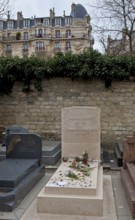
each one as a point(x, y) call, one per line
point(76, 203)
point(12, 171)
point(80, 133)
point(51, 152)
point(61, 184)
point(109, 210)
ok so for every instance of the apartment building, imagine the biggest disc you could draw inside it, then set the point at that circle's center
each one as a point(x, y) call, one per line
point(46, 36)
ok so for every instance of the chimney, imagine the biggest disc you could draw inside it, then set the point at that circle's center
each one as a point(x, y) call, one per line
point(73, 7)
point(52, 13)
point(19, 15)
point(8, 16)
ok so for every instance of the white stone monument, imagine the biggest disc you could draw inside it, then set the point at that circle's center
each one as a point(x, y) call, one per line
point(83, 194)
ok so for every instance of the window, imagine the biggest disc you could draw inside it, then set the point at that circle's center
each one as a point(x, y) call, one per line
point(57, 47)
point(25, 35)
point(26, 23)
point(25, 48)
point(10, 24)
point(8, 35)
point(8, 48)
point(67, 20)
point(58, 21)
point(40, 32)
point(40, 46)
point(1, 24)
point(46, 21)
point(68, 33)
point(57, 33)
point(68, 45)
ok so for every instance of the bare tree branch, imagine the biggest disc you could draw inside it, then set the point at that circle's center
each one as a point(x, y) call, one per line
point(114, 17)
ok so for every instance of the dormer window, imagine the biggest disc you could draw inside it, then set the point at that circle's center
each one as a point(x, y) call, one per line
point(68, 20)
point(46, 21)
point(26, 23)
point(57, 21)
point(10, 24)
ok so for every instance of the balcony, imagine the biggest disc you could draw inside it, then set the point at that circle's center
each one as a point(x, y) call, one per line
point(40, 36)
point(38, 49)
point(44, 36)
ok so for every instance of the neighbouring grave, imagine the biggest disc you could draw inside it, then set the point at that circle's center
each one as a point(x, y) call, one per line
point(12, 130)
point(118, 152)
point(51, 152)
point(21, 169)
point(72, 191)
point(128, 171)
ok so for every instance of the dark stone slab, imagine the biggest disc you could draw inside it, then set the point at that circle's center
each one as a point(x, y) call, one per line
point(10, 200)
point(12, 171)
point(105, 159)
point(24, 146)
point(51, 160)
point(118, 154)
point(120, 145)
point(49, 148)
point(21, 170)
point(13, 130)
point(16, 130)
point(51, 152)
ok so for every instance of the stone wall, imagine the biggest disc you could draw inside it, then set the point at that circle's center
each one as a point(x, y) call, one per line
point(40, 112)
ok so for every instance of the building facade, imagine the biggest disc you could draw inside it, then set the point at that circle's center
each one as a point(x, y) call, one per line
point(122, 46)
point(46, 36)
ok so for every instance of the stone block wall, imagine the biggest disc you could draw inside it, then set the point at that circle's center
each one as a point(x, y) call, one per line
point(40, 112)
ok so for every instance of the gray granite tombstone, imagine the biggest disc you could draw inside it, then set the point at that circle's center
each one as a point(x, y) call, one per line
point(15, 130)
point(24, 146)
point(21, 169)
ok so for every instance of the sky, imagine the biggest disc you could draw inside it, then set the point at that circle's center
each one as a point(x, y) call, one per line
point(41, 8)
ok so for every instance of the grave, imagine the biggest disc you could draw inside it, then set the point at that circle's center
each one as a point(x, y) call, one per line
point(118, 152)
point(128, 171)
point(21, 169)
point(51, 152)
point(12, 130)
point(82, 195)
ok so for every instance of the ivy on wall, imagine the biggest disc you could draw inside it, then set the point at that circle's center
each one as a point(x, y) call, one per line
point(86, 66)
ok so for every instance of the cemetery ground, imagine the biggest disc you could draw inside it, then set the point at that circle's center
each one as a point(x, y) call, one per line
point(99, 195)
point(109, 168)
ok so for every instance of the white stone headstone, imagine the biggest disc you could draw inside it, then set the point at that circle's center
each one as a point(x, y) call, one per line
point(81, 132)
